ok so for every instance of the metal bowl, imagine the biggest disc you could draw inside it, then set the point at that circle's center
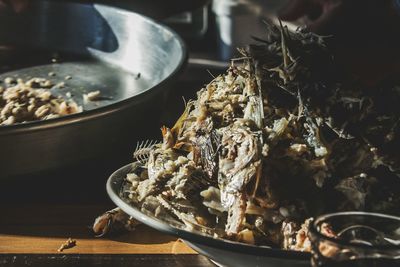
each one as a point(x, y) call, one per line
point(131, 59)
point(223, 252)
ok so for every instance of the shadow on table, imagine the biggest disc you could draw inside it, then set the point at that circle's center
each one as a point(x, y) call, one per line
point(143, 235)
point(68, 221)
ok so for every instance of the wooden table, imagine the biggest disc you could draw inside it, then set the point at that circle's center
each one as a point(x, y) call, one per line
point(31, 235)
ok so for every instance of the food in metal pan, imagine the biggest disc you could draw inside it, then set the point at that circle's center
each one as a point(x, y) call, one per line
point(91, 96)
point(24, 101)
point(279, 138)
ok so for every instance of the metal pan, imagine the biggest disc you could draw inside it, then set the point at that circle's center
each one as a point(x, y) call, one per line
point(131, 59)
point(223, 252)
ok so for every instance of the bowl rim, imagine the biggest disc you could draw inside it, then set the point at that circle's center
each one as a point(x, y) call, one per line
point(113, 185)
point(313, 230)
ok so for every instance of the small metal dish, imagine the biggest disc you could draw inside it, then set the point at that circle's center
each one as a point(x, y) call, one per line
point(223, 252)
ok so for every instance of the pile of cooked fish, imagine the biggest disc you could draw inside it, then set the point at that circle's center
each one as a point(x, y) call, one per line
point(281, 137)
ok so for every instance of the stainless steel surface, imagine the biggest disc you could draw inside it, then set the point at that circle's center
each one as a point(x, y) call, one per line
point(224, 252)
point(102, 48)
point(237, 22)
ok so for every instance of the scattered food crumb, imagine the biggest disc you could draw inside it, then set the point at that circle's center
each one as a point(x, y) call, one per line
point(37, 83)
point(52, 74)
point(55, 57)
point(68, 77)
point(10, 80)
point(70, 243)
point(91, 96)
point(60, 85)
point(68, 94)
